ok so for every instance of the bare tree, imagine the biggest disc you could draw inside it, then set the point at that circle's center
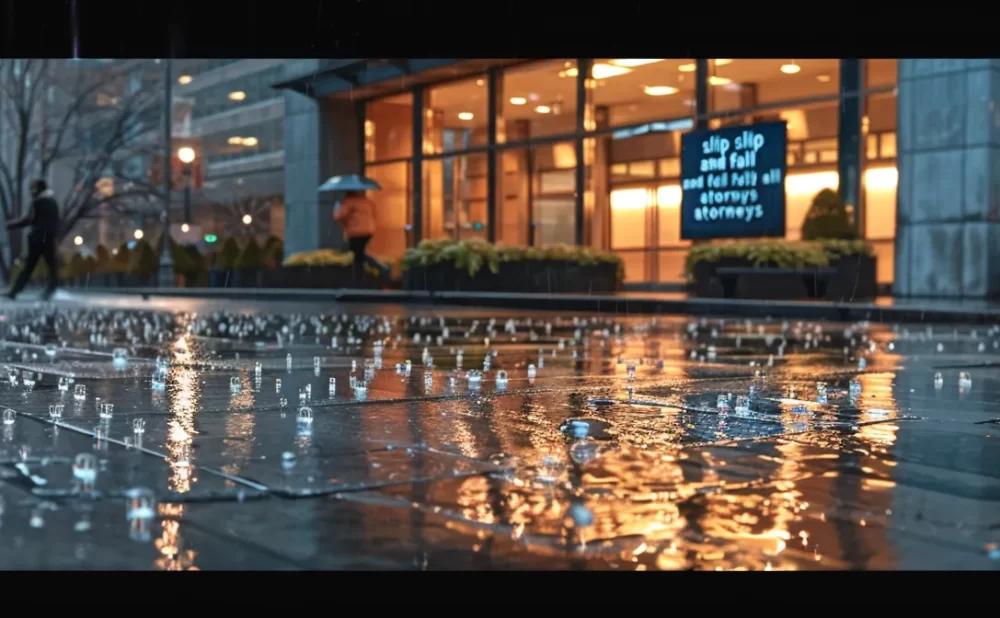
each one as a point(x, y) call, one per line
point(92, 124)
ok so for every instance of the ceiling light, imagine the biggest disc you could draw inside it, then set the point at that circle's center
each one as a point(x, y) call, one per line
point(570, 72)
point(518, 100)
point(687, 68)
point(465, 115)
point(480, 82)
point(250, 141)
point(237, 95)
point(659, 91)
point(823, 78)
point(634, 62)
point(543, 109)
point(715, 80)
point(791, 68)
point(235, 141)
point(184, 80)
point(602, 70)
point(721, 62)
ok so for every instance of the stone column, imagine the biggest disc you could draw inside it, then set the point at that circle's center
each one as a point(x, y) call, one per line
point(321, 139)
point(947, 223)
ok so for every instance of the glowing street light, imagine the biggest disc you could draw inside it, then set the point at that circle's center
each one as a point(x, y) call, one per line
point(78, 241)
point(186, 154)
point(138, 234)
point(185, 228)
point(247, 219)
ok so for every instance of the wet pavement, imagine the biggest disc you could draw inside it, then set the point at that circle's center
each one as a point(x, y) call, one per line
point(615, 443)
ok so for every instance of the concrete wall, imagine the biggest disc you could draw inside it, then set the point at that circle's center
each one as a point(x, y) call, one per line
point(322, 138)
point(948, 235)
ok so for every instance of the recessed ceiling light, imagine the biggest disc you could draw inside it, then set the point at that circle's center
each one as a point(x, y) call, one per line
point(518, 100)
point(250, 141)
point(237, 95)
point(659, 91)
point(465, 115)
point(570, 72)
point(687, 68)
point(480, 82)
point(721, 62)
point(791, 68)
point(715, 80)
point(634, 62)
point(603, 70)
point(543, 109)
point(184, 80)
point(823, 78)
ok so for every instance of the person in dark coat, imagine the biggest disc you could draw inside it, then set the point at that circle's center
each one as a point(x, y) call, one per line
point(43, 218)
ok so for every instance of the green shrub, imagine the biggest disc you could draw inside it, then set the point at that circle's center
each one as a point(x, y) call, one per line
point(776, 253)
point(103, 260)
point(320, 257)
point(474, 254)
point(225, 259)
point(122, 261)
point(272, 253)
point(250, 258)
point(827, 218)
point(145, 261)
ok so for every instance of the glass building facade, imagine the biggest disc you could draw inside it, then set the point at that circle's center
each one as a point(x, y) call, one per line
point(587, 151)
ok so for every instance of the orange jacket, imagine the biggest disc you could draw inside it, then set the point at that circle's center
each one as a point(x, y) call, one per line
point(357, 215)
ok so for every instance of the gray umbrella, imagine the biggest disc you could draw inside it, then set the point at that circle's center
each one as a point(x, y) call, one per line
point(350, 182)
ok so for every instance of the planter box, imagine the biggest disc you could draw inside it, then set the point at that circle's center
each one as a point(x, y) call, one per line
point(529, 276)
point(855, 280)
point(851, 278)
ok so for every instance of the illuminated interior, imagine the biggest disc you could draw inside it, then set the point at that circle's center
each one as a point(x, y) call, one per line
point(639, 108)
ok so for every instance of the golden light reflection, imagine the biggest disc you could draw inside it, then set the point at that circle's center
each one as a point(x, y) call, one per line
point(170, 543)
point(240, 426)
point(185, 395)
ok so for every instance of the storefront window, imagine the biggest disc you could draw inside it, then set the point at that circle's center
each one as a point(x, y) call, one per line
point(393, 212)
point(630, 91)
point(881, 72)
point(537, 100)
point(455, 196)
point(747, 83)
point(389, 128)
point(880, 180)
point(645, 206)
point(536, 202)
point(455, 116)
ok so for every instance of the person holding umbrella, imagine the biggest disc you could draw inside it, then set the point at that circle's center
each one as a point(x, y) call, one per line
point(356, 213)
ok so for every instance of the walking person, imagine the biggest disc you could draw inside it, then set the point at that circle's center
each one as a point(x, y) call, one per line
point(356, 213)
point(43, 218)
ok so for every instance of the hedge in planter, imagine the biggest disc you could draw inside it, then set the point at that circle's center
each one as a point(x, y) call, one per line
point(225, 261)
point(476, 265)
point(852, 259)
point(323, 269)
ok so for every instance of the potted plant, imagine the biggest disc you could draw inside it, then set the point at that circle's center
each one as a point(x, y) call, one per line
point(828, 223)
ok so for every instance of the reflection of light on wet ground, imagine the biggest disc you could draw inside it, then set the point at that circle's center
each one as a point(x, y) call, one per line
point(664, 480)
point(184, 405)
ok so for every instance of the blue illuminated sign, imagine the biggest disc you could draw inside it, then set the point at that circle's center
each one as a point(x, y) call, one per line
point(733, 182)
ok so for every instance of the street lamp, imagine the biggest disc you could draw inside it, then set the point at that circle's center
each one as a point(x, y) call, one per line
point(138, 234)
point(78, 241)
point(187, 155)
point(247, 219)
